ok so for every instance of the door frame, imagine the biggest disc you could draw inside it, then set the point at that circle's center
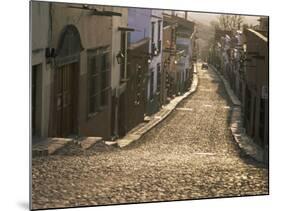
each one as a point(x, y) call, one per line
point(74, 81)
point(68, 52)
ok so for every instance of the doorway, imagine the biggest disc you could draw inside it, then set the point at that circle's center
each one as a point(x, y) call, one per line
point(36, 97)
point(66, 99)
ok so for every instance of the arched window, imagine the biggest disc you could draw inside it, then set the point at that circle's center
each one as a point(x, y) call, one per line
point(69, 46)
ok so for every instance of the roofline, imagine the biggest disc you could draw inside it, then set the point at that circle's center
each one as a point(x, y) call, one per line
point(258, 35)
point(137, 44)
point(166, 27)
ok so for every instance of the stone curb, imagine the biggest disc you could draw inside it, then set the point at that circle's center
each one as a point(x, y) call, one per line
point(136, 133)
point(234, 99)
point(50, 146)
point(244, 142)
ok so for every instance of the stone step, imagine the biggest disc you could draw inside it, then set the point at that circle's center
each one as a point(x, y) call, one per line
point(88, 142)
point(58, 143)
point(50, 146)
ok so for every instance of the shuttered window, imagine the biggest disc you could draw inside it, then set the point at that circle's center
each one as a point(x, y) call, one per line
point(151, 84)
point(159, 35)
point(158, 78)
point(98, 80)
point(152, 37)
point(105, 76)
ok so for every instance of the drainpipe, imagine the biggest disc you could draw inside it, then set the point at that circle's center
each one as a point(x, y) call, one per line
point(126, 53)
point(116, 94)
point(116, 116)
point(116, 124)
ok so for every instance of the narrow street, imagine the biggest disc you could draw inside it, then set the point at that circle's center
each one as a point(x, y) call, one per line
point(189, 155)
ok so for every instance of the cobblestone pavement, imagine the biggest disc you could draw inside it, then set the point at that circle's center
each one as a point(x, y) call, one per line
point(189, 155)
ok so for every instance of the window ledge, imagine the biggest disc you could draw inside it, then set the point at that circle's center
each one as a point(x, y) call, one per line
point(124, 80)
point(92, 115)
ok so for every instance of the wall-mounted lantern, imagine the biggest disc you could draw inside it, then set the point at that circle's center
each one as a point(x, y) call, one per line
point(50, 53)
point(167, 62)
point(155, 52)
point(149, 59)
point(244, 47)
point(120, 56)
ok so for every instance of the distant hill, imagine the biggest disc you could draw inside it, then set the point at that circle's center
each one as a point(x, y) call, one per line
point(204, 33)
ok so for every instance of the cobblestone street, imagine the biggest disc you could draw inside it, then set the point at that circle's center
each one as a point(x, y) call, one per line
point(189, 155)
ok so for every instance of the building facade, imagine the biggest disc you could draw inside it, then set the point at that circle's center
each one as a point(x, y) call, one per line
point(180, 51)
point(118, 68)
point(100, 70)
point(133, 100)
point(78, 59)
point(168, 61)
point(256, 103)
point(185, 47)
point(155, 64)
point(242, 57)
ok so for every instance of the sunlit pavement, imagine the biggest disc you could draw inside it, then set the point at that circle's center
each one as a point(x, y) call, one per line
point(191, 154)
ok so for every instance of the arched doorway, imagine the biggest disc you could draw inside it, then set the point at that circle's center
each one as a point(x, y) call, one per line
point(67, 83)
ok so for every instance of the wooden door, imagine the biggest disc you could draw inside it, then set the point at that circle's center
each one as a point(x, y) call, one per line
point(36, 106)
point(66, 100)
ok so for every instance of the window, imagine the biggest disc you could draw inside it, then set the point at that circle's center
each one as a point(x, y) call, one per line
point(262, 119)
point(158, 78)
point(123, 49)
point(173, 38)
point(152, 36)
point(151, 84)
point(129, 37)
point(105, 76)
point(98, 80)
point(93, 84)
point(139, 79)
point(248, 104)
point(159, 35)
point(36, 98)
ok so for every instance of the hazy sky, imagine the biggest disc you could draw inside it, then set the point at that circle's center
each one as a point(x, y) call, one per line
point(208, 17)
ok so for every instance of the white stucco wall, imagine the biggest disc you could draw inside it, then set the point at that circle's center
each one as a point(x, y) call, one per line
point(39, 25)
point(94, 31)
point(184, 43)
point(156, 59)
point(39, 41)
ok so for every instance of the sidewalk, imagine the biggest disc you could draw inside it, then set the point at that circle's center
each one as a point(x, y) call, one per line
point(137, 132)
point(236, 125)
